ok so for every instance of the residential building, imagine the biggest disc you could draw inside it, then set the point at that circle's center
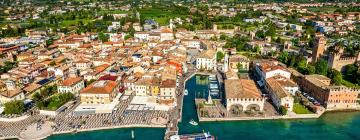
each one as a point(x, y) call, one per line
point(206, 60)
point(279, 95)
point(71, 85)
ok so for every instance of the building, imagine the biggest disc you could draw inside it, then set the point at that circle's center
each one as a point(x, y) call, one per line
point(279, 95)
point(99, 92)
point(9, 92)
point(265, 70)
point(83, 64)
point(166, 34)
point(143, 36)
point(10, 95)
point(243, 94)
point(167, 92)
point(319, 48)
point(206, 60)
point(239, 62)
point(72, 85)
point(330, 96)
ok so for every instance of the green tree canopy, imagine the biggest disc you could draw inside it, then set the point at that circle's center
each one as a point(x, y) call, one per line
point(103, 37)
point(219, 56)
point(321, 67)
point(14, 107)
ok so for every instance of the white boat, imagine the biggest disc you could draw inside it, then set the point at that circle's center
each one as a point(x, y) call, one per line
point(186, 92)
point(192, 122)
point(197, 136)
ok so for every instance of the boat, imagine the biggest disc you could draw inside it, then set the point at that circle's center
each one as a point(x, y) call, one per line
point(214, 93)
point(192, 122)
point(186, 92)
point(197, 136)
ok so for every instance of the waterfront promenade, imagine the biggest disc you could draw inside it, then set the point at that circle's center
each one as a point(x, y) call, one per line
point(65, 122)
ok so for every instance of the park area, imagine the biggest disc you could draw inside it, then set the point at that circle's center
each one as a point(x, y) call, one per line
point(300, 109)
point(49, 99)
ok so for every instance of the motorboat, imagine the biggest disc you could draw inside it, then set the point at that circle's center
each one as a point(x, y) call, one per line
point(192, 122)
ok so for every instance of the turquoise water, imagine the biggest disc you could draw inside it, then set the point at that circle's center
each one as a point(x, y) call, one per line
point(331, 126)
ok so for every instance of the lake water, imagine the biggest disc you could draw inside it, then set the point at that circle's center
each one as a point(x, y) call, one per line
point(331, 126)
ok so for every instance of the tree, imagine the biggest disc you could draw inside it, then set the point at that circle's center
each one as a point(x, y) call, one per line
point(292, 61)
point(283, 110)
point(321, 67)
point(336, 77)
point(223, 37)
point(219, 56)
point(256, 49)
point(52, 63)
point(260, 34)
point(283, 57)
point(311, 69)
point(14, 107)
point(239, 66)
point(87, 83)
point(103, 37)
point(131, 31)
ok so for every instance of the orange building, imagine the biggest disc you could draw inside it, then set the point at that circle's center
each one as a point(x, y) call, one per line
point(331, 97)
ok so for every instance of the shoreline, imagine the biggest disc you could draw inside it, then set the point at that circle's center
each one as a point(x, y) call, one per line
point(108, 128)
point(92, 129)
point(312, 116)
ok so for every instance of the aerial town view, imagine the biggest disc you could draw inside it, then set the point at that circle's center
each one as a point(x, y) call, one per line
point(180, 69)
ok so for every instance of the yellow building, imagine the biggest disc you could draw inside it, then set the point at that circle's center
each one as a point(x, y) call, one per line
point(99, 92)
point(237, 62)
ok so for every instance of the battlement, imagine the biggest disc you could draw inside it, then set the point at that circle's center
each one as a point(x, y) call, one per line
point(343, 89)
point(347, 59)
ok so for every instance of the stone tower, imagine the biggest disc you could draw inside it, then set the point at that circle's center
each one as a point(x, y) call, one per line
point(319, 48)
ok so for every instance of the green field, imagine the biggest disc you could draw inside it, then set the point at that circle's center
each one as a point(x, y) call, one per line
point(161, 16)
point(67, 23)
point(323, 9)
point(113, 12)
point(300, 109)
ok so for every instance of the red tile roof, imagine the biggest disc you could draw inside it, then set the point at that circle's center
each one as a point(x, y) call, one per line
point(100, 87)
point(71, 81)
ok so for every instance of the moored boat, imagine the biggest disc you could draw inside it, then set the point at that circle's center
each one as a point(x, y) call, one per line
point(192, 122)
point(197, 136)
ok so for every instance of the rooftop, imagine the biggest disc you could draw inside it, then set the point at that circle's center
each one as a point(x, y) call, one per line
point(277, 88)
point(241, 88)
point(70, 81)
point(100, 87)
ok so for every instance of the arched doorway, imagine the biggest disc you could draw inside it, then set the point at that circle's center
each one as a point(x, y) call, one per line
point(253, 107)
point(236, 109)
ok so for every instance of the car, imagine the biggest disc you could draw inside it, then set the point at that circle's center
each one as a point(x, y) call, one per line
point(317, 103)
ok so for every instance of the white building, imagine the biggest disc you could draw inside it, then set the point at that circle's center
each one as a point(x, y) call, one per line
point(279, 95)
point(270, 69)
point(206, 60)
point(168, 91)
point(143, 36)
point(72, 85)
point(166, 34)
